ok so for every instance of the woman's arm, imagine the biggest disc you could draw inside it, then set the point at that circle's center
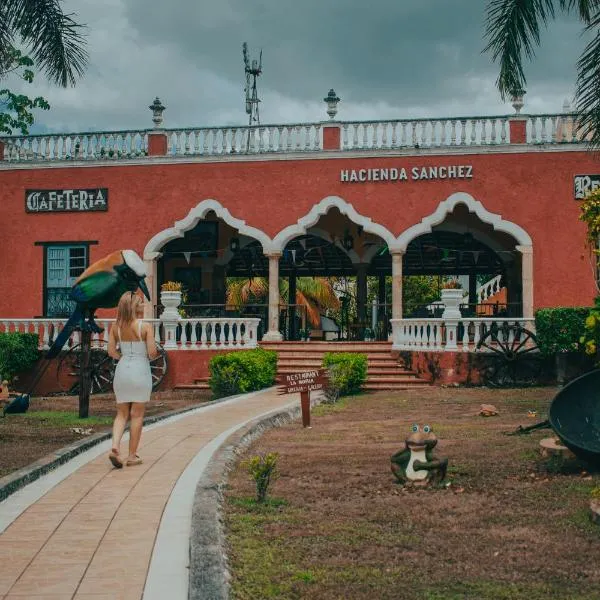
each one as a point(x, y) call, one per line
point(150, 343)
point(112, 345)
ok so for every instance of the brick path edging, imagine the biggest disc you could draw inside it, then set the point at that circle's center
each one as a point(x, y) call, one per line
point(18, 479)
point(209, 572)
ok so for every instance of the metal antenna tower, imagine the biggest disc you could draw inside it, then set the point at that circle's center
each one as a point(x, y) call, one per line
point(252, 70)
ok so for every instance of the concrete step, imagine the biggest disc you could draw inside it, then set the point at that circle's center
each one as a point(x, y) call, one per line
point(323, 347)
point(379, 387)
point(399, 379)
point(192, 386)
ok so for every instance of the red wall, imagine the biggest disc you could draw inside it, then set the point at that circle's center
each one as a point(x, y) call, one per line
point(533, 190)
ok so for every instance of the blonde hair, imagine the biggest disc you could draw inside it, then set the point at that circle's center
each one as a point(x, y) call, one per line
point(127, 309)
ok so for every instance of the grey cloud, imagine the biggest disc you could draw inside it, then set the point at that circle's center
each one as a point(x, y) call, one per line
point(385, 58)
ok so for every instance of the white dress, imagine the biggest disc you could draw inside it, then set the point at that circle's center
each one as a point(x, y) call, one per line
point(133, 379)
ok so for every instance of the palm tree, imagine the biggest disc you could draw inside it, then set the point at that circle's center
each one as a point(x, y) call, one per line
point(513, 31)
point(315, 294)
point(54, 39)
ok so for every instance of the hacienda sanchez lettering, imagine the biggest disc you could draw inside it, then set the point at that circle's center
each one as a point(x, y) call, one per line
point(51, 201)
point(404, 174)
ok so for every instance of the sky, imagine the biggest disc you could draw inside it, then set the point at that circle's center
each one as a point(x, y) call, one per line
point(386, 59)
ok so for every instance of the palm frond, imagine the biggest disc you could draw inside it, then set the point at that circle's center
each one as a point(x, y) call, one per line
point(56, 41)
point(586, 8)
point(513, 31)
point(587, 95)
point(320, 290)
point(241, 291)
point(313, 314)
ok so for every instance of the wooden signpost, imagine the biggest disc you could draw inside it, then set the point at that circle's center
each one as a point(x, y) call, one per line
point(304, 383)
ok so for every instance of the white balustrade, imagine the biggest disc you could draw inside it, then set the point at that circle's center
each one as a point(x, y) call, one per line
point(451, 335)
point(186, 334)
point(424, 133)
point(301, 137)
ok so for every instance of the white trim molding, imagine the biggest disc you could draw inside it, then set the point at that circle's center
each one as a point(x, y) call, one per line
point(309, 220)
point(196, 214)
point(521, 237)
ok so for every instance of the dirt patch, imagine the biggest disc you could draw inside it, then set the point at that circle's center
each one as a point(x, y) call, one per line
point(26, 438)
point(511, 525)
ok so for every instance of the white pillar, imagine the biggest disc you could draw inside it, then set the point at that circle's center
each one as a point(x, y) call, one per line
point(151, 264)
point(527, 280)
point(397, 284)
point(273, 334)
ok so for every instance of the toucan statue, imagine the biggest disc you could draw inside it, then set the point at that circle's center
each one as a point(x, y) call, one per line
point(101, 285)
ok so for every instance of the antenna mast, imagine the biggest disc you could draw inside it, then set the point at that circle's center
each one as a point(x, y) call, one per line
point(252, 70)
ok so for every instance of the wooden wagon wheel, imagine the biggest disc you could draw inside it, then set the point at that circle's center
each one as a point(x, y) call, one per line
point(513, 357)
point(102, 369)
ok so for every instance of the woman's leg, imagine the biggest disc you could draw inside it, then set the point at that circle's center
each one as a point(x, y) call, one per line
point(120, 423)
point(135, 427)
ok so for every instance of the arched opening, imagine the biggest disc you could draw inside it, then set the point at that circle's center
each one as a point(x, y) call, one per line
point(327, 268)
point(485, 262)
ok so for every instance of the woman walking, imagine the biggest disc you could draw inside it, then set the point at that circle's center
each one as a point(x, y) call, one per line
point(133, 380)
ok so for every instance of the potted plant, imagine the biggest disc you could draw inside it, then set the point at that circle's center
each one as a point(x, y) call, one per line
point(452, 296)
point(170, 298)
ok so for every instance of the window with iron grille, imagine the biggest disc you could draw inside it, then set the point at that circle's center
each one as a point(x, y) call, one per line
point(64, 264)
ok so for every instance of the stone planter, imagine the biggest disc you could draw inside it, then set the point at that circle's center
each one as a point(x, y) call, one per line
point(452, 299)
point(170, 302)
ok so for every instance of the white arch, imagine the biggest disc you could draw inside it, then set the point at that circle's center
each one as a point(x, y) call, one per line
point(199, 212)
point(310, 219)
point(447, 206)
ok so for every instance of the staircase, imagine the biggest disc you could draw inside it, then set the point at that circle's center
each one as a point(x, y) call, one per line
point(384, 371)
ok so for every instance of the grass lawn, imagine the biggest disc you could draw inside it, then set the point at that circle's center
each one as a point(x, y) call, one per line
point(337, 526)
point(53, 422)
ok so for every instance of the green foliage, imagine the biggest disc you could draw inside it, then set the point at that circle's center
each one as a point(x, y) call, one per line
point(18, 353)
point(242, 371)
point(560, 329)
point(56, 418)
point(263, 469)
point(590, 338)
point(348, 371)
point(16, 110)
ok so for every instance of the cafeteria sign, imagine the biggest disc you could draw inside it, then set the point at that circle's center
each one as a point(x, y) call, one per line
point(52, 201)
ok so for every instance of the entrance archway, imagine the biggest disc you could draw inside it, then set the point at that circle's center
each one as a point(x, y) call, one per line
point(462, 238)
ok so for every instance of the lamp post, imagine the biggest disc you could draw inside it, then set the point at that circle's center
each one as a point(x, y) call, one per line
point(332, 102)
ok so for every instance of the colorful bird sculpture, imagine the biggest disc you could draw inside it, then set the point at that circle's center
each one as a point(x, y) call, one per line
point(100, 286)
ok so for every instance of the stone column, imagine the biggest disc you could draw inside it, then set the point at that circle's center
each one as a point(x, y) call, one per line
point(527, 279)
point(273, 334)
point(397, 284)
point(292, 309)
point(151, 263)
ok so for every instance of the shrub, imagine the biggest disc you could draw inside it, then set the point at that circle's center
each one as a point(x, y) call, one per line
point(18, 352)
point(348, 371)
point(242, 371)
point(263, 470)
point(560, 329)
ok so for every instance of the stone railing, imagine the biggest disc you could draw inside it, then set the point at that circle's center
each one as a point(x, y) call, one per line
point(183, 334)
point(215, 141)
point(443, 335)
point(290, 138)
point(115, 145)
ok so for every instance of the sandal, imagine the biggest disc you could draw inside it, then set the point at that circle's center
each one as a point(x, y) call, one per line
point(131, 462)
point(115, 459)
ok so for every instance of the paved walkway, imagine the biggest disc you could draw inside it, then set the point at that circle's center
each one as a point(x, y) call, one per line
point(108, 534)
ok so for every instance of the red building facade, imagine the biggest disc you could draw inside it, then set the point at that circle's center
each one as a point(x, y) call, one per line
point(504, 184)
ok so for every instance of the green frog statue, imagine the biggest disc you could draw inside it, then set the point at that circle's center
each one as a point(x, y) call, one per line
point(415, 463)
